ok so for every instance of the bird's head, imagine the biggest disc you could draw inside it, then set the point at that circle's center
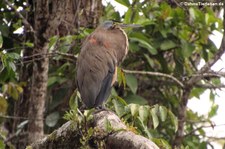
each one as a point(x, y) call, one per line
point(110, 25)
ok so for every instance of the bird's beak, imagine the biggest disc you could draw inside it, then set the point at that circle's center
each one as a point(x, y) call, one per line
point(129, 25)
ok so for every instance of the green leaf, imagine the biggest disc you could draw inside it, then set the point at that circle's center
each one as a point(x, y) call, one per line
point(13, 55)
point(174, 120)
point(52, 119)
point(4, 29)
point(127, 18)
point(143, 127)
point(119, 107)
point(132, 82)
point(213, 110)
point(134, 109)
point(143, 113)
point(89, 114)
point(52, 42)
point(187, 48)
point(108, 125)
point(2, 144)
point(13, 91)
point(161, 143)
point(162, 113)
point(73, 102)
point(149, 60)
point(121, 77)
point(144, 22)
point(1, 40)
point(55, 79)
point(212, 96)
point(192, 13)
point(167, 44)
point(12, 66)
point(155, 119)
point(145, 44)
point(29, 44)
point(121, 100)
point(3, 105)
point(196, 92)
point(131, 98)
point(124, 2)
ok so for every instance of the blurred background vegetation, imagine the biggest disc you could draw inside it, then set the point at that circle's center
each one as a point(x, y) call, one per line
point(155, 81)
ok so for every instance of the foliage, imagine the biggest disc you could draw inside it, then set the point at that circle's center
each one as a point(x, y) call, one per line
point(81, 122)
point(172, 40)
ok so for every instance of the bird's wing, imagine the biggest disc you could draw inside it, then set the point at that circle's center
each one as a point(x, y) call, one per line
point(95, 71)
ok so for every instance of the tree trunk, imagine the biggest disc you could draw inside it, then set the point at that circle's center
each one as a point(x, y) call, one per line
point(50, 18)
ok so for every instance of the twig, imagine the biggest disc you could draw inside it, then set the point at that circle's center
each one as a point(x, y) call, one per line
point(15, 135)
point(24, 20)
point(51, 53)
point(210, 86)
point(198, 128)
point(69, 57)
point(18, 117)
point(159, 74)
point(216, 138)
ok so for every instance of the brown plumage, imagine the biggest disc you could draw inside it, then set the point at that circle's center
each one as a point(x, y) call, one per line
point(101, 53)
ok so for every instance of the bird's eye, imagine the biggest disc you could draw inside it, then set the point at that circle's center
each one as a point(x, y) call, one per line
point(111, 27)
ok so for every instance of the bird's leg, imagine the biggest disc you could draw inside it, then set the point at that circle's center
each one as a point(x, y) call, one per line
point(101, 108)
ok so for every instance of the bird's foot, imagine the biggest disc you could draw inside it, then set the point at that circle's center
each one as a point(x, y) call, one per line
point(101, 108)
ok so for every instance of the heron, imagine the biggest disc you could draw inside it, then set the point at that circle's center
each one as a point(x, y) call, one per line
point(101, 53)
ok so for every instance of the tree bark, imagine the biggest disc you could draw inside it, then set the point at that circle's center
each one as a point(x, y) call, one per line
point(68, 136)
point(52, 18)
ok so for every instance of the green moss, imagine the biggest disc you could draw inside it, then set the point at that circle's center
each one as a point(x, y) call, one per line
point(29, 147)
point(52, 136)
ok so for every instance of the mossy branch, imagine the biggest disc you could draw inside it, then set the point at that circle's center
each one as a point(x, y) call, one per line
point(69, 137)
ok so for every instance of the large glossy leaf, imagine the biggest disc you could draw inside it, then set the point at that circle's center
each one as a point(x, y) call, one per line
point(143, 113)
point(213, 110)
point(134, 109)
point(167, 45)
point(154, 116)
point(133, 98)
point(187, 49)
point(174, 120)
point(143, 41)
point(119, 107)
point(162, 143)
point(143, 127)
point(121, 77)
point(162, 113)
point(124, 2)
point(132, 82)
point(52, 42)
point(13, 55)
point(146, 45)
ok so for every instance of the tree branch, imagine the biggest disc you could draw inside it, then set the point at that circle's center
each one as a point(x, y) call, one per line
point(211, 62)
point(210, 74)
point(157, 74)
point(69, 137)
point(210, 86)
point(189, 86)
